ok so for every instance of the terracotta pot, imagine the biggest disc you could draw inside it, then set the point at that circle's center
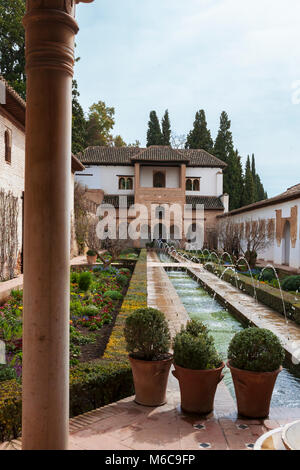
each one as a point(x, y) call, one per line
point(253, 391)
point(198, 388)
point(150, 381)
point(91, 259)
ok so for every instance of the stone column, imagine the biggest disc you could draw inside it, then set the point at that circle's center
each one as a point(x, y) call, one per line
point(50, 29)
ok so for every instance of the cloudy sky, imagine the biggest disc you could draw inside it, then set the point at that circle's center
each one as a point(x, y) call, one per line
point(185, 55)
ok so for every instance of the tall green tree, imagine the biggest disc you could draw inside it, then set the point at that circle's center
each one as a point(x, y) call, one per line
point(12, 44)
point(78, 122)
point(166, 128)
point(118, 141)
point(99, 124)
point(249, 189)
point(154, 133)
point(199, 137)
point(235, 177)
point(224, 149)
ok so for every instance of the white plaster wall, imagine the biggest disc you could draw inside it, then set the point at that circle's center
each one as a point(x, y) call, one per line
point(274, 253)
point(211, 181)
point(172, 176)
point(12, 174)
point(105, 178)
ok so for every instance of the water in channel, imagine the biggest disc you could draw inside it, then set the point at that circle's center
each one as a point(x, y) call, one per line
point(223, 325)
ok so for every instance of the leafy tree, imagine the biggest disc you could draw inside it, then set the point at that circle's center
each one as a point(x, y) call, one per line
point(166, 129)
point(99, 124)
point(118, 141)
point(78, 122)
point(249, 190)
point(154, 134)
point(199, 137)
point(12, 44)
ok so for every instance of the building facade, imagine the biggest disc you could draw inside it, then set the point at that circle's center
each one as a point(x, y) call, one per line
point(157, 177)
point(12, 177)
point(279, 218)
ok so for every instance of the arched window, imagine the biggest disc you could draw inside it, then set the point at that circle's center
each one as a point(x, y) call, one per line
point(196, 185)
point(7, 143)
point(122, 184)
point(189, 185)
point(159, 180)
point(129, 184)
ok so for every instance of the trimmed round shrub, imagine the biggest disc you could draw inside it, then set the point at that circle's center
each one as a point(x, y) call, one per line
point(122, 279)
point(85, 281)
point(113, 294)
point(91, 253)
point(267, 275)
point(291, 283)
point(195, 351)
point(147, 334)
point(195, 327)
point(90, 310)
point(256, 349)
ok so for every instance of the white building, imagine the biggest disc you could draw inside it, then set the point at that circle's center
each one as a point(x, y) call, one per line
point(282, 215)
point(156, 175)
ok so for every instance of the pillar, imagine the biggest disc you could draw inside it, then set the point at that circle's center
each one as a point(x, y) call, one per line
point(50, 29)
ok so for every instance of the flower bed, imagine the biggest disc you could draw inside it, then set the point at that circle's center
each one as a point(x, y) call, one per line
point(92, 384)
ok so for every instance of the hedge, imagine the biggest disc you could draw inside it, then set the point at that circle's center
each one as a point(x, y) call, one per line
point(265, 293)
point(92, 384)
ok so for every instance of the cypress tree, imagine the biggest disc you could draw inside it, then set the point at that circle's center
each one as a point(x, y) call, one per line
point(154, 134)
point(78, 122)
point(200, 137)
point(235, 177)
point(248, 190)
point(166, 129)
point(223, 144)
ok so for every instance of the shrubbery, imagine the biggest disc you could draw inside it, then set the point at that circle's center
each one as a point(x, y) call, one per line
point(113, 294)
point(256, 349)
point(85, 281)
point(291, 283)
point(194, 348)
point(147, 334)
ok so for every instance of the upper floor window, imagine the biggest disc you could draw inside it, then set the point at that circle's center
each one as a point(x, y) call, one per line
point(192, 184)
point(125, 182)
point(159, 179)
point(7, 145)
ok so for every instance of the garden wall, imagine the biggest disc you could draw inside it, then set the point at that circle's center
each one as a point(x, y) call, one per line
point(92, 384)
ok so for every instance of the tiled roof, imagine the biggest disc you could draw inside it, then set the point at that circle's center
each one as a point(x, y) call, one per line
point(114, 200)
point(290, 194)
point(128, 155)
point(14, 104)
point(209, 202)
point(160, 153)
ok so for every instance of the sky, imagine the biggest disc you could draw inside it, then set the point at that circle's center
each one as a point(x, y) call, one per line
point(241, 56)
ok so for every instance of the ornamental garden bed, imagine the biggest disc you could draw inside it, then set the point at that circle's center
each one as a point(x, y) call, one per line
point(94, 380)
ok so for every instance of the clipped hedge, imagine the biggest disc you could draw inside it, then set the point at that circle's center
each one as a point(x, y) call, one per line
point(265, 293)
point(92, 384)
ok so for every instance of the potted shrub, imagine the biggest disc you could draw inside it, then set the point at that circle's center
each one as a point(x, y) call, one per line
point(255, 356)
point(198, 368)
point(91, 256)
point(148, 341)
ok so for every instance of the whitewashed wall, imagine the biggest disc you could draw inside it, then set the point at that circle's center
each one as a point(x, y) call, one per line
point(211, 182)
point(275, 253)
point(105, 178)
point(172, 176)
